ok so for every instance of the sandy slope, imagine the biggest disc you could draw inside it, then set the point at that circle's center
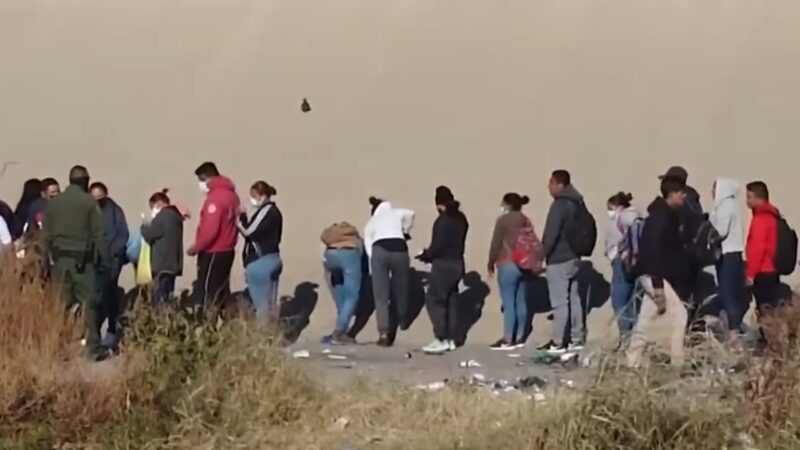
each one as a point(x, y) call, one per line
point(485, 96)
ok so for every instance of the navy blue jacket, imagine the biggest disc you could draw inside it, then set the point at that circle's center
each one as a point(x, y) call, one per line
point(116, 229)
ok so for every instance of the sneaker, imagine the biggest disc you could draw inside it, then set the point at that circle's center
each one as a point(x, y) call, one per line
point(436, 347)
point(502, 345)
point(519, 344)
point(551, 348)
point(384, 341)
point(451, 345)
point(576, 347)
point(342, 338)
point(326, 340)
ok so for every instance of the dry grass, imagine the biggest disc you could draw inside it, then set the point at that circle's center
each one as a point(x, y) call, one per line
point(184, 385)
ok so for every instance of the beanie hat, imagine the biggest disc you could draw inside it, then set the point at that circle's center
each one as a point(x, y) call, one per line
point(444, 195)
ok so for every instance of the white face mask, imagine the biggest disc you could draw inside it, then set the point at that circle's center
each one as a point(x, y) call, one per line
point(503, 210)
point(612, 214)
point(255, 201)
point(154, 212)
point(203, 187)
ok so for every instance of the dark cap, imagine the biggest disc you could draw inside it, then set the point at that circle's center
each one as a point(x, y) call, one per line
point(676, 172)
point(443, 195)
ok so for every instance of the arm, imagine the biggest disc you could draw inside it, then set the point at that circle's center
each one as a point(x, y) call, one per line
point(552, 227)
point(437, 240)
point(98, 236)
point(722, 220)
point(121, 233)
point(369, 238)
point(247, 229)
point(652, 243)
point(154, 230)
point(5, 233)
point(208, 229)
point(407, 220)
point(756, 245)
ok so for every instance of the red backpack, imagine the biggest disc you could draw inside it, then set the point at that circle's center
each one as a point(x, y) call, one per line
point(527, 252)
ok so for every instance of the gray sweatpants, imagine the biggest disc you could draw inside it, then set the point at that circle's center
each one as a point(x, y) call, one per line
point(390, 287)
point(566, 302)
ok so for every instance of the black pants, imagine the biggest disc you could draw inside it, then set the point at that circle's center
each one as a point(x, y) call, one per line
point(213, 279)
point(108, 293)
point(766, 290)
point(442, 298)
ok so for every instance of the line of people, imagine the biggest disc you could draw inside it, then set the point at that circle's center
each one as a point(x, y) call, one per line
point(661, 254)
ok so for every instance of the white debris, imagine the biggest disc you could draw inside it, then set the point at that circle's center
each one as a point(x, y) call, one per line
point(301, 354)
point(539, 397)
point(326, 351)
point(337, 357)
point(469, 364)
point(513, 355)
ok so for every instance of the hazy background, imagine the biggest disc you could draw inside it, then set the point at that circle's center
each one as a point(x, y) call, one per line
point(484, 96)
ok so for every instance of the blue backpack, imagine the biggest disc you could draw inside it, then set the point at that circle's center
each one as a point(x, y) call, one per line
point(629, 247)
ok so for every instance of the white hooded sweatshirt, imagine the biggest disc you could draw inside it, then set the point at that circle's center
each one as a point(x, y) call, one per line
point(620, 222)
point(387, 223)
point(726, 217)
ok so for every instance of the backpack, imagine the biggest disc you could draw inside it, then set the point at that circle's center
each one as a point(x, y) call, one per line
point(527, 251)
point(629, 247)
point(581, 231)
point(786, 250)
point(706, 245)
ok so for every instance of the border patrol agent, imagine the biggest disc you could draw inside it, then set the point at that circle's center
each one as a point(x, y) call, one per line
point(76, 241)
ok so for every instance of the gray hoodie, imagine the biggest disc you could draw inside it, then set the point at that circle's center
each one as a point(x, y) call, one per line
point(726, 217)
point(554, 242)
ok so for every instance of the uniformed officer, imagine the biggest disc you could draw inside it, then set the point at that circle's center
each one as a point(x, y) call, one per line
point(76, 241)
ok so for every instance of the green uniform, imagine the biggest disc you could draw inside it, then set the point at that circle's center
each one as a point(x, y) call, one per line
point(76, 240)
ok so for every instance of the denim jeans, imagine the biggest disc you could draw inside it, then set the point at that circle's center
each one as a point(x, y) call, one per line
point(512, 293)
point(730, 276)
point(348, 262)
point(262, 277)
point(626, 308)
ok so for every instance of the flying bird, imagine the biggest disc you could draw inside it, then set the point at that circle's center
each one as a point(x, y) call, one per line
point(305, 106)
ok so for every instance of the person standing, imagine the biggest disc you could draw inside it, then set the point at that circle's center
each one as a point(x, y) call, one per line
point(662, 274)
point(510, 279)
point(727, 221)
point(622, 216)
point(343, 253)
point(762, 244)
point(164, 233)
point(385, 240)
point(75, 237)
point(446, 257)
point(216, 237)
point(262, 230)
point(116, 227)
point(35, 218)
point(563, 264)
point(31, 190)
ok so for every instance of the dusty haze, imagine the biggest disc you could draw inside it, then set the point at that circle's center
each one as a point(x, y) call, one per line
point(485, 96)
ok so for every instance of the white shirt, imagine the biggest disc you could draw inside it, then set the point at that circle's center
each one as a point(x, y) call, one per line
point(5, 234)
point(387, 223)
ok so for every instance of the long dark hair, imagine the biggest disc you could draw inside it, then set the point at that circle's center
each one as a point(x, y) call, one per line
point(515, 201)
point(31, 190)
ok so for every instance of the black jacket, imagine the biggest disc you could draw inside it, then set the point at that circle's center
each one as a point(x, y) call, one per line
point(165, 236)
point(449, 235)
point(661, 254)
point(262, 232)
point(691, 215)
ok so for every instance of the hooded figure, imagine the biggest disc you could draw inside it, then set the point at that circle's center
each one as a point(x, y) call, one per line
point(726, 219)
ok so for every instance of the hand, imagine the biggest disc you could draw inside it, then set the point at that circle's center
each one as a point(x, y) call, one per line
point(191, 251)
point(660, 300)
point(748, 282)
point(490, 270)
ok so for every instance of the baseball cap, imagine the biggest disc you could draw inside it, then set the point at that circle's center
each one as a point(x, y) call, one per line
point(676, 172)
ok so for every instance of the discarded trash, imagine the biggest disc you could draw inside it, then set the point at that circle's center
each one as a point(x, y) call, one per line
point(568, 383)
point(531, 382)
point(337, 357)
point(301, 354)
point(431, 387)
point(539, 397)
point(469, 364)
point(408, 355)
point(341, 423)
point(326, 351)
point(513, 355)
point(509, 389)
point(478, 377)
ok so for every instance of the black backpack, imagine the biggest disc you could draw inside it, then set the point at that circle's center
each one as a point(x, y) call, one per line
point(706, 245)
point(786, 251)
point(581, 231)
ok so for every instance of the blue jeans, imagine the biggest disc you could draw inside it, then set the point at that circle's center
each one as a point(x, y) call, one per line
point(625, 308)
point(512, 293)
point(345, 294)
point(262, 277)
point(730, 276)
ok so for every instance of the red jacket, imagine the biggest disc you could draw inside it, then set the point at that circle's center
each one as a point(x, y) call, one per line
point(762, 240)
point(217, 231)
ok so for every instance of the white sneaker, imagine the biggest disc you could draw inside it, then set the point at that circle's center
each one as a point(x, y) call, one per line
point(451, 345)
point(575, 347)
point(436, 347)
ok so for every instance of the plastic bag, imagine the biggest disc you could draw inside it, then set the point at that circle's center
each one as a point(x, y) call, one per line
point(144, 272)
